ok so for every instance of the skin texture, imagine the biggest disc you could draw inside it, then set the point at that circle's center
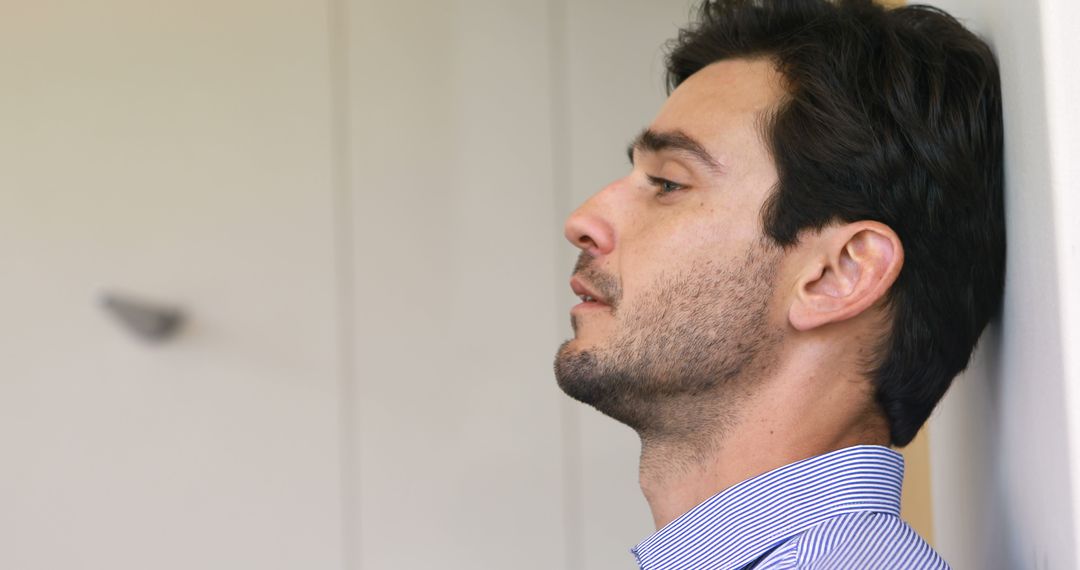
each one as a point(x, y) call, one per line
point(728, 355)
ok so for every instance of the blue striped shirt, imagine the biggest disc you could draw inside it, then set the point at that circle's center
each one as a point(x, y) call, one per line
point(838, 510)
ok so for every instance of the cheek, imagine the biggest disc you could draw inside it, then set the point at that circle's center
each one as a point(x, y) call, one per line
point(653, 266)
point(699, 230)
point(677, 248)
point(706, 224)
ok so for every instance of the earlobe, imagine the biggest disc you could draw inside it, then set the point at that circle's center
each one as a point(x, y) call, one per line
point(853, 267)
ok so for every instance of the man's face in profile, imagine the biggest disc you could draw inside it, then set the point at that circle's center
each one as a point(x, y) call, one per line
point(675, 257)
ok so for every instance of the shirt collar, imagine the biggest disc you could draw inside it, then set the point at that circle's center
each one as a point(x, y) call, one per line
point(738, 525)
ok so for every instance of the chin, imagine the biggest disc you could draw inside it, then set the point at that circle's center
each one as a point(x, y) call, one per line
point(582, 376)
point(577, 342)
point(574, 366)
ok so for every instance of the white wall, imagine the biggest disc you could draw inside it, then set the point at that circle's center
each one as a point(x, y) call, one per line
point(360, 206)
point(459, 437)
point(1004, 439)
point(178, 151)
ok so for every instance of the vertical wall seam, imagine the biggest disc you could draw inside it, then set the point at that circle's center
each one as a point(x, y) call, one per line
point(341, 147)
point(561, 153)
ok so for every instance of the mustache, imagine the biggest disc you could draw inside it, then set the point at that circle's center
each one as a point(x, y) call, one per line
point(605, 285)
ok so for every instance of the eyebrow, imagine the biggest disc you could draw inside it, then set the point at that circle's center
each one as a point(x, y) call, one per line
point(678, 141)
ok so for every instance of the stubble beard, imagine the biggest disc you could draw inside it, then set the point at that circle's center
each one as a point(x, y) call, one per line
point(686, 355)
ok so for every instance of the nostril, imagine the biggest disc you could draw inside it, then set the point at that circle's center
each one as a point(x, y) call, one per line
point(588, 231)
point(595, 242)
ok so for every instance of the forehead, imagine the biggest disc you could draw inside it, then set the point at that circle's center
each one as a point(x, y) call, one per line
point(721, 105)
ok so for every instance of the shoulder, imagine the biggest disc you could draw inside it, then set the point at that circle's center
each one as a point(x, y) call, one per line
point(862, 540)
point(866, 540)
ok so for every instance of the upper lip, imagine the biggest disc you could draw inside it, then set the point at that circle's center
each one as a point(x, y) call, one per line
point(583, 290)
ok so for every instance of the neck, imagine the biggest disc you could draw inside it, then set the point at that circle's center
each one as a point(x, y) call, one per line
point(780, 424)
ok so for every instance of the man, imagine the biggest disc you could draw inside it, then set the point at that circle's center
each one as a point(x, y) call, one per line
point(806, 249)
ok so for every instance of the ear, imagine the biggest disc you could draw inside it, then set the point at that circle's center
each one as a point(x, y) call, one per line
point(851, 268)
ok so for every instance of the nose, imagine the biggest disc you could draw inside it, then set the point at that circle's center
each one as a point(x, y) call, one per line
point(588, 230)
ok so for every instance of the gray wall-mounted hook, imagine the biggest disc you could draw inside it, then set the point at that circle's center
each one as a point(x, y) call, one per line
point(150, 321)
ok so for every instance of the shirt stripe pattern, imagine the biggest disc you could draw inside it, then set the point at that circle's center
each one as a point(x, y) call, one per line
point(837, 510)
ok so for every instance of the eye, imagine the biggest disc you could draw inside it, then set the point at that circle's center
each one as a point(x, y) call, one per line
point(664, 186)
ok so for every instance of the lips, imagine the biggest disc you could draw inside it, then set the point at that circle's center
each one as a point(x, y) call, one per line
point(586, 293)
